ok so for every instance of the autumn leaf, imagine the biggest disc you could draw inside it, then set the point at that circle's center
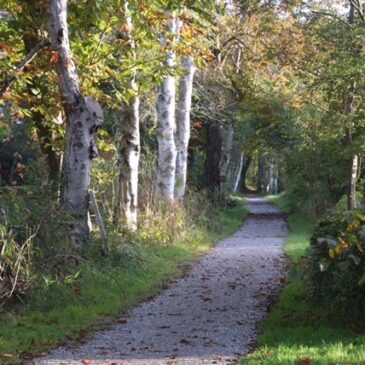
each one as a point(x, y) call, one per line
point(55, 57)
point(6, 48)
point(125, 28)
point(7, 96)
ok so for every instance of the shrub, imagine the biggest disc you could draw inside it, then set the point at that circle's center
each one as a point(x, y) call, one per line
point(336, 261)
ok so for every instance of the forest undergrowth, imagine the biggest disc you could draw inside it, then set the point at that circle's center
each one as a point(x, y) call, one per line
point(82, 291)
point(300, 330)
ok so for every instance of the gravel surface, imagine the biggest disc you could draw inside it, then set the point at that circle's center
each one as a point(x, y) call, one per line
point(208, 317)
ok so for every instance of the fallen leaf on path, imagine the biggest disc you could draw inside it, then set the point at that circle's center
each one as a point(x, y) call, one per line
point(184, 341)
point(7, 355)
point(306, 361)
point(86, 361)
point(27, 355)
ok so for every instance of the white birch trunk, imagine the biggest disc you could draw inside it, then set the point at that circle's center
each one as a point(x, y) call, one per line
point(238, 174)
point(183, 125)
point(271, 176)
point(165, 106)
point(129, 147)
point(83, 116)
point(353, 170)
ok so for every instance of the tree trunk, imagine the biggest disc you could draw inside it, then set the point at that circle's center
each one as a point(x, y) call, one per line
point(275, 187)
point(213, 156)
point(129, 148)
point(44, 133)
point(239, 172)
point(226, 156)
point(166, 161)
point(262, 180)
point(83, 116)
point(362, 172)
point(246, 164)
point(353, 162)
point(273, 176)
point(183, 125)
point(352, 180)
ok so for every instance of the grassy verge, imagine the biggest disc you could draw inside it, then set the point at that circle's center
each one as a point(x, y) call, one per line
point(299, 332)
point(98, 293)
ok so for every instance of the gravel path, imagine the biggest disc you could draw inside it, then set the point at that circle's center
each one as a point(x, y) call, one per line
point(208, 317)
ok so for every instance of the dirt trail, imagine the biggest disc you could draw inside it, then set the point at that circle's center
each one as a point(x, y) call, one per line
point(208, 317)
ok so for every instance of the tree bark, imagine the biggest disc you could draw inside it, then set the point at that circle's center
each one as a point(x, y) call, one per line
point(352, 182)
point(44, 133)
point(226, 156)
point(83, 116)
point(245, 166)
point(183, 125)
point(353, 161)
point(262, 178)
point(166, 160)
point(238, 176)
point(213, 156)
point(129, 147)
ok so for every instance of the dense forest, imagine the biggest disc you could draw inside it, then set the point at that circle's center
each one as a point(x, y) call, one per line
point(129, 129)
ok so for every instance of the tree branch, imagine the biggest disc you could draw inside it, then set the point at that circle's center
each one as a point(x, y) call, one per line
point(20, 67)
point(356, 4)
point(333, 16)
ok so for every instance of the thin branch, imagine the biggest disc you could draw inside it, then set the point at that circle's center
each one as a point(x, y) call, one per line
point(356, 4)
point(332, 16)
point(20, 67)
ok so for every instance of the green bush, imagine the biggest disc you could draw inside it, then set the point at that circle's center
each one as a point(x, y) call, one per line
point(336, 261)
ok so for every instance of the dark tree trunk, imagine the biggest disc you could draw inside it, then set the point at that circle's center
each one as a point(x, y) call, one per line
point(44, 133)
point(213, 156)
point(262, 179)
point(246, 164)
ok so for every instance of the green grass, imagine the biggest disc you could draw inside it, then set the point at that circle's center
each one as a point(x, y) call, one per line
point(102, 292)
point(299, 331)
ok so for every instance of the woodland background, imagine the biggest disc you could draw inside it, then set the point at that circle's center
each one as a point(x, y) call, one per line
point(160, 111)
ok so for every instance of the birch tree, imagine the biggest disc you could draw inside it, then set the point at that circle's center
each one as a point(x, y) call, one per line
point(165, 106)
point(183, 125)
point(83, 117)
point(129, 145)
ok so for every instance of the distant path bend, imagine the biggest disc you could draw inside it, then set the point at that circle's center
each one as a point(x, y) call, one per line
point(208, 317)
